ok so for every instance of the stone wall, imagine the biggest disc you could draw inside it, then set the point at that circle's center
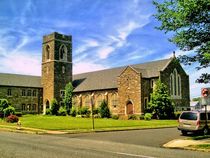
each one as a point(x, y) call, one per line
point(129, 91)
point(26, 104)
point(81, 99)
point(56, 72)
point(182, 102)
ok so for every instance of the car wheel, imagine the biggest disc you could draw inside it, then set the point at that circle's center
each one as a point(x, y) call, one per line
point(184, 133)
point(205, 130)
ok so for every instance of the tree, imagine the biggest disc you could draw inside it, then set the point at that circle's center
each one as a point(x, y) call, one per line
point(68, 96)
point(189, 20)
point(3, 105)
point(54, 107)
point(104, 110)
point(160, 104)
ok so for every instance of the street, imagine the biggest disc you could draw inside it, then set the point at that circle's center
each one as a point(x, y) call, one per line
point(91, 145)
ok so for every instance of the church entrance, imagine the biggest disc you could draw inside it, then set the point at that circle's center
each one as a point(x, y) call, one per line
point(129, 108)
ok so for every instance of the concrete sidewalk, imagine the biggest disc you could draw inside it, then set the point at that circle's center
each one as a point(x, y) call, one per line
point(187, 144)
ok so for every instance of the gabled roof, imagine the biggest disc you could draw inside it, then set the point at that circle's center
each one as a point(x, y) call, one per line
point(107, 79)
point(20, 80)
point(97, 80)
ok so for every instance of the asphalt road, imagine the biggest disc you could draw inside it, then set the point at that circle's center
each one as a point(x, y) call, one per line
point(147, 137)
point(17, 145)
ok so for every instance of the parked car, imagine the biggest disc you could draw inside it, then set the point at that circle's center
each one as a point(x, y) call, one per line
point(194, 121)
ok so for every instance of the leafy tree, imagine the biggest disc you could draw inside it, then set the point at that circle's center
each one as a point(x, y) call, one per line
point(68, 96)
point(196, 99)
point(189, 20)
point(3, 104)
point(160, 104)
point(104, 110)
point(54, 107)
point(9, 111)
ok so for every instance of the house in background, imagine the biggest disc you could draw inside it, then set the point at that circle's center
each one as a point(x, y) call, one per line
point(126, 89)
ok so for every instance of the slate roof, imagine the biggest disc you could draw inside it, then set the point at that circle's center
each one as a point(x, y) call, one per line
point(107, 79)
point(97, 80)
point(20, 80)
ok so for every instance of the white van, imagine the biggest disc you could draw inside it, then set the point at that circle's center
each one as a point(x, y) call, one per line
point(194, 121)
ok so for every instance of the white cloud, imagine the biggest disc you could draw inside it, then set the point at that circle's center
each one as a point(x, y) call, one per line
point(87, 43)
point(104, 52)
point(86, 66)
point(21, 63)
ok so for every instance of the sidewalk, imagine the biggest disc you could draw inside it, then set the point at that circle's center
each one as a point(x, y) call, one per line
point(187, 144)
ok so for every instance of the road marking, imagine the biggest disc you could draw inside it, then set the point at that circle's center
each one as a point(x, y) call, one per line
point(133, 155)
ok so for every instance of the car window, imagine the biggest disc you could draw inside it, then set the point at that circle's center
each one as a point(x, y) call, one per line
point(202, 116)
point(189, 116)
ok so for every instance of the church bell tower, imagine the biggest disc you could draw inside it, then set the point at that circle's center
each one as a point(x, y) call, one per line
point(56, 67)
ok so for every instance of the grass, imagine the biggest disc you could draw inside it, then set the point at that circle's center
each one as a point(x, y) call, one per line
point(199, 137)
point(203, 147)
point(71, 123)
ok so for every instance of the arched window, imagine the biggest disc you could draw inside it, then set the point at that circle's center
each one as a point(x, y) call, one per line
point(63, 52)
point(47, 52)
point(175, 84)
point(99, 100)
point(87, 100)
point(114, 100)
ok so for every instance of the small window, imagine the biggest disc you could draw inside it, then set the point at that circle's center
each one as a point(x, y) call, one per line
point(23, 92)
point(63, 69)
point(34, 107)
point(29, 93)
point(9, 92)
point(34, 93)
point(23, 107)
point(28, 107)
point(47, 52)
point(62, 93)
point(63, 52)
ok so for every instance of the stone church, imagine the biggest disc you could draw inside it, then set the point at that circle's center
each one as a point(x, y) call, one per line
point(126, 89)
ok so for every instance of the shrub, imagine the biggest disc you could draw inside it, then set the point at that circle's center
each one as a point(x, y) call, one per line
point(148, 116)
point(141, 117)
point(54, 107)
point(84, 111)
point(133, 117)
point(3, 105)
point(9, 111)
point(48, 112)
point(62, 111)
point(12, 118)
point(73, 112)
point(115, 117)
point(18, 114)
point(95, 111)
point(104, 110)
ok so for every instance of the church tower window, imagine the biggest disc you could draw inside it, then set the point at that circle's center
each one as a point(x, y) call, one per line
point(175, 84)
point(63, 52)
point(47, 52)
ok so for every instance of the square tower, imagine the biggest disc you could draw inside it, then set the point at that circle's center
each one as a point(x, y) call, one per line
point(56, 66)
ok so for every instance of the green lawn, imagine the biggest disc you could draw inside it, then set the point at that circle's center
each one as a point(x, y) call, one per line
point(71, 123)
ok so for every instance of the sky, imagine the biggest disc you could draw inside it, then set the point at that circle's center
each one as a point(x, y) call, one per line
point(106, 34)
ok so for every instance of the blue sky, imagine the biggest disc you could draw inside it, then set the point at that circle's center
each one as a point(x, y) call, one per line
point(106, 34)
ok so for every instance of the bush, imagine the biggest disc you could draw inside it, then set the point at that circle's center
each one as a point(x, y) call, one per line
point(133, 117)
point(54, 107)
point(12, 119)
point(104, 110)
point(3, 105)
point(148, 116)
point(141, 117)
point(18, 114)
point(62, 111)
point(48, 112)
point(73, 112)
point(9, 111)
point(95, 111)
point(115, 117)
point(84, 111)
